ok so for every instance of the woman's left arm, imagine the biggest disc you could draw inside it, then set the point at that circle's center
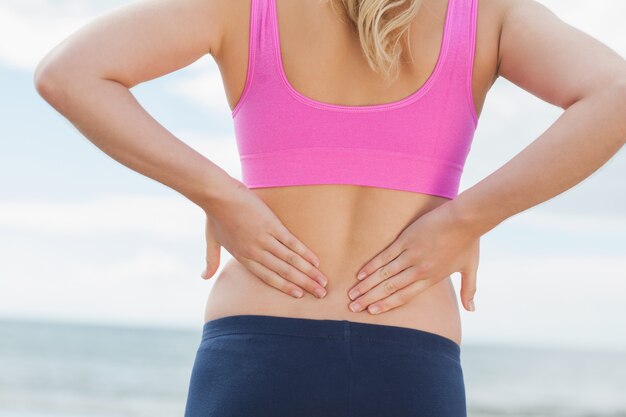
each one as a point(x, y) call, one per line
point(572, 70)
point(559, 64)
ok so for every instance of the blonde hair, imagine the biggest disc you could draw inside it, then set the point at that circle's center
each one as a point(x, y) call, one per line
point(383, 30)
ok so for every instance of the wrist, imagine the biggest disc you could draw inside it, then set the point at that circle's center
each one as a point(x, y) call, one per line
point(468, 217)
point(220, 191)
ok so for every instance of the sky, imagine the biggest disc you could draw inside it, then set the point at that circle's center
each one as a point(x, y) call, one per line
point(85, 239)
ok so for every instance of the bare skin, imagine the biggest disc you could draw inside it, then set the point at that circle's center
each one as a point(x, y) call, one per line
point(346, 227)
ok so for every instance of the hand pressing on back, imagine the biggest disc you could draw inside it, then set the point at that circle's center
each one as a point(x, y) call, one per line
point(427, 251)
point(250, 231)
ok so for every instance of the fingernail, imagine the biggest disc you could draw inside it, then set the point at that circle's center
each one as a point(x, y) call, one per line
point(317, 263)
point(361, 275)
point(471, 305)
point(355, 307)
point(374, 309)
point(296, 293)
point(203, 274)
point(320, 292)
point(324, 281)
point(353, 294)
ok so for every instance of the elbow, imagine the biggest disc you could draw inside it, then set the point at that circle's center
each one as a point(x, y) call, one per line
point(55, 78)
point(59, 82)
point(43, 84)
point(48, 81)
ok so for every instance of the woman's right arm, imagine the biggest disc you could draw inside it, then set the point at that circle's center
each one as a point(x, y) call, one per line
point(87, 78)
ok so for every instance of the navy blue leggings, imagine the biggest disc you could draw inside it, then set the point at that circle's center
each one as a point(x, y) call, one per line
point(262, 366)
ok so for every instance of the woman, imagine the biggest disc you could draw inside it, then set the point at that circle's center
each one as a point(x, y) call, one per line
point(353, 120)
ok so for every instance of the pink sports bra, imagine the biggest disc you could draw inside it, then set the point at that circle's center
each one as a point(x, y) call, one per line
point(417, 144)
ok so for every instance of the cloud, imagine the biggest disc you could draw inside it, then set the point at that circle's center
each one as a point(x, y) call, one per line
point(150, 284)
point(163, 215)
point(30, 28)
point(122, 259)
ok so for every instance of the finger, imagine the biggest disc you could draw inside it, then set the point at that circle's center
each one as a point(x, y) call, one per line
point(212, 258)
point(272, 279)
point(384, 289)
point(284, 236)
point(292, 258)
point(383, 258)
point(288, 272)
point(402, 296)
point(468, 288)
point(383, 273)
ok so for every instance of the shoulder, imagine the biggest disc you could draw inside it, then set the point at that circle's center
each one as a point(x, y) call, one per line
point(550, 58)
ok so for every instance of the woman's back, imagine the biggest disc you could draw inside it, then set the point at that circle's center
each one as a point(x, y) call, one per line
point(363, 184)
point(344, 224)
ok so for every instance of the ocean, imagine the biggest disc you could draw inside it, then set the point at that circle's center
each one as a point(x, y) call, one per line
point(79, 370)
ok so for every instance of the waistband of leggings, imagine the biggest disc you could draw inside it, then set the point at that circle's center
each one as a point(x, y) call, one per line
point(327, 328)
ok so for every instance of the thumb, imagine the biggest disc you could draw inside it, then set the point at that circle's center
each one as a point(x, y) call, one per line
point(212, 254)
point(468, 289)
point(212, 259)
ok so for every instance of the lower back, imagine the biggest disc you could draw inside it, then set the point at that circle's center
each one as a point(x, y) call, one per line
point(345, 226)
